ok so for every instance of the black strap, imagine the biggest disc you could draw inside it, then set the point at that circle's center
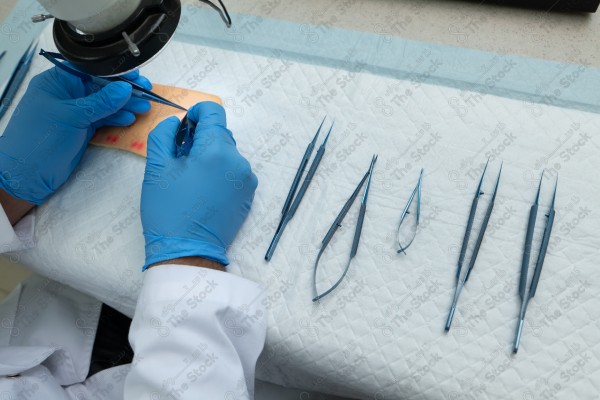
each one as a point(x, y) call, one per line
point(223, 13)
point(111, 345)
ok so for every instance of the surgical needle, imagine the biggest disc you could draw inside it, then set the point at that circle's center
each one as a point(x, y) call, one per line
point(460, 283)
point(298, 198)
point(525, 297)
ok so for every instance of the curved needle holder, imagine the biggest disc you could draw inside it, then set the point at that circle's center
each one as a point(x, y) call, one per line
point(338, 223)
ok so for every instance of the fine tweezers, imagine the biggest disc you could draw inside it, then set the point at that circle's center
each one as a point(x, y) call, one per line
point(137, 90)
point(460, 283)
point(337, 223)
point(525, 297)
point(17, 77)
point(293, 200)
point(415, 192)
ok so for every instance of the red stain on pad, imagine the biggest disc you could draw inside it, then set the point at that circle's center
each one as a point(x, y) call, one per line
point(112, 139)
point(137, 145)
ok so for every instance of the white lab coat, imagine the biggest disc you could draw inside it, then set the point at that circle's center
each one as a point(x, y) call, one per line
point(196, 334)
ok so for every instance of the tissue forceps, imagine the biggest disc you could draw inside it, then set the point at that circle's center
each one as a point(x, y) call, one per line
point(460, 283)
point(137, 90)
point(17, 77)
point(417, 192)
point(525, 297)
point(293, 205)
point(338, 223)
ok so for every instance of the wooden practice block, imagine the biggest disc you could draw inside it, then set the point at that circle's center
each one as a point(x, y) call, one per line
point(134, 138)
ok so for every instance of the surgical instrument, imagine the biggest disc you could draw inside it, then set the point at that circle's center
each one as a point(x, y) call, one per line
point(2, 54)
point(137, 90)
point(300, 171)
point(337, 223)
point(525, 297)
point(295, 203)
point(185, 137)
point(460, 282)
point(415, 192)
point(15, 80)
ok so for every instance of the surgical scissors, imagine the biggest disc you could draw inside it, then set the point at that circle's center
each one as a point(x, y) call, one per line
point(137, 90)
point(291, 206)
point(460, 283)
point(415, 192)
point(525, 297)
point(17, 77)
point(337, 223)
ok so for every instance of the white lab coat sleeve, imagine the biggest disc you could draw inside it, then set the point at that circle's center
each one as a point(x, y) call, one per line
point(18, 238)
point(196, 333)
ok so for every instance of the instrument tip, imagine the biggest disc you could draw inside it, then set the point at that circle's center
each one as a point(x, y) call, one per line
point(554, 194)
point(518, 336)
point(450, 316)
point(328, 133)
point(478, 193)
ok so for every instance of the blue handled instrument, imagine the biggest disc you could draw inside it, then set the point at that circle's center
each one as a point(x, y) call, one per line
point(523, 293)
point(138, 91)
point(461, 281)
point(337, 223)
point(416, 192)
point(15, 80)
point(293, 200)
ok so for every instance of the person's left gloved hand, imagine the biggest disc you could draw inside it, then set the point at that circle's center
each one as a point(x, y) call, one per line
point(52, 125)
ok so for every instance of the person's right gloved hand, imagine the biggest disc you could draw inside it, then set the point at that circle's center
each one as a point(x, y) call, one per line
point(195, 205)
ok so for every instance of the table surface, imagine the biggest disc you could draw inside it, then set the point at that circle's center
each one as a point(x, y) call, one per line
point(533, 33)
point(477, 25)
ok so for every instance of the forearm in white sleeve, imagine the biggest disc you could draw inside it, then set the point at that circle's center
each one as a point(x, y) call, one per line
point(196, 333)
point(18, 238)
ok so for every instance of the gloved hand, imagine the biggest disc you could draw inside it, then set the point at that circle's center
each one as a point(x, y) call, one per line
point(52, 125)
point(195, 205)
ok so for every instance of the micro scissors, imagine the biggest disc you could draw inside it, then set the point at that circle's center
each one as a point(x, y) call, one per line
point(415, 192)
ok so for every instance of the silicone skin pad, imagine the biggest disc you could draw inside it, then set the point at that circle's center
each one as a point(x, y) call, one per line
point(133, 138)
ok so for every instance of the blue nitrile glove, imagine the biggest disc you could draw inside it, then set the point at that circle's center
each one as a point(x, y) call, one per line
point(195, 205)
point(52, 125)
